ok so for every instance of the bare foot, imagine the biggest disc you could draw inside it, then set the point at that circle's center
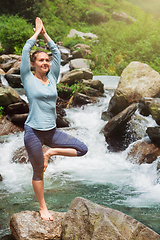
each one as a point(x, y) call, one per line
point(45, 215)
point(46, 156)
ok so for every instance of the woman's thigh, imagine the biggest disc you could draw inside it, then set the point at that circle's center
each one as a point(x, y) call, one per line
point(60, 139)
point(33, 143)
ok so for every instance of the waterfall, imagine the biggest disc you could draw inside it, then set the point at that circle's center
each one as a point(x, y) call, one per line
point(100, 176)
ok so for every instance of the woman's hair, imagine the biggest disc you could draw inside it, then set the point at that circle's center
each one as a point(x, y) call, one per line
point(34, 55)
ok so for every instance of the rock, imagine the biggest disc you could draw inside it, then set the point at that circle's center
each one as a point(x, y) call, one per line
point(61, 122)
point(20, 156)
point(81, 50)
point(17, 108)
point(144, 106)
point(80, 63)
point(8, 65)
point(121, 16)
point(74, 32)
point(8, 95)
point(14, 56)
point(19, 119)
point(2, 71)
point(154, 135)
point(14, 80)
point(12, 71)
point(64, 92)
point(93, 92)
point(7, 127)
point(96, 84)
point(76, 75)
point(87, 220)
point(4, 58)
point(138, 80)
point(28, 225)
point(117, 132)
point(154, 108)
point(1, 178)
point(150, 106)
point(143, 152)
point(82, 99)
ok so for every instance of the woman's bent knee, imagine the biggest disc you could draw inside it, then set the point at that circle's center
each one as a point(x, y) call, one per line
point(82, 151)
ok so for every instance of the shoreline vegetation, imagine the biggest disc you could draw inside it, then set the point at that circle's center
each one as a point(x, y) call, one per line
point(118, 43)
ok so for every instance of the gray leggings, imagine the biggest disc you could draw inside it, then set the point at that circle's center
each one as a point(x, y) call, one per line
point(34, 140)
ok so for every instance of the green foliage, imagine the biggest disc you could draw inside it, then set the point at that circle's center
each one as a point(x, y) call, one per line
point(71, 42)
point(1, 111)
point(75, 88)
point(78, 87)
point(28, 9)
point(14, 31)
point(95, 17)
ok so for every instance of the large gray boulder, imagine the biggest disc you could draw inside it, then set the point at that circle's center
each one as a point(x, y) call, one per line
point(138, 80)
point(8, 95)
point(28, 225)
point(90, 221)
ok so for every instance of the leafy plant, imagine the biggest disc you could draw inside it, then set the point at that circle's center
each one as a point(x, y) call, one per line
point(1, 111)
point(14, 31)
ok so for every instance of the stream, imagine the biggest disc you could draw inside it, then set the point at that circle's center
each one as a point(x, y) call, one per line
point(103, 177)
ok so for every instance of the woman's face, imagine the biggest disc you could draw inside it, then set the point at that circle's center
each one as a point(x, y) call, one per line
point(41, 63)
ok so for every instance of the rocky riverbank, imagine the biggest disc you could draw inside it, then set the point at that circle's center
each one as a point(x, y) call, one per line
point(138, 90)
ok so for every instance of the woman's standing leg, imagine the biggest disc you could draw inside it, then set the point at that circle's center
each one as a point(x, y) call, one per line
point(33, 143)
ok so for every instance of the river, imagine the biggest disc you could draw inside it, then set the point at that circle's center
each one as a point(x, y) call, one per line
point(101, 176)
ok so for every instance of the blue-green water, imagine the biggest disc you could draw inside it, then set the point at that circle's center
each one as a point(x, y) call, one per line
point(103, 177)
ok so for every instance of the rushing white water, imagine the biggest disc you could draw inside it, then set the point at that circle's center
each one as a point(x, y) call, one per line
point(101, 176)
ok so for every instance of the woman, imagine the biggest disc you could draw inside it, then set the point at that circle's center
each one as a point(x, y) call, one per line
point(40, 126)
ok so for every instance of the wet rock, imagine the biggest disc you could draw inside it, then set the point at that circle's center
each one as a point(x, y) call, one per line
point(154, 108)
point(64, 92)
point(19, 119)
point(8, 95)
point(154, 135)
point(81, 99)
point(2, 71)
point(28, 225)
point(143, 152)
point(1, 178)
point(17, 108)
point(122, 16)
point(20, 156)
point(14, 80)
point(61, 122)
point(138, 80)
point(96, 84)
point(76, 75)
point(6, 66)
point(4, 58)
point(117, 132)
point(7, 127)
point(87, 220)
point(144, 106)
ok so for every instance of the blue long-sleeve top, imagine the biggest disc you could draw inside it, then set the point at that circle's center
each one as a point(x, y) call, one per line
point(41, 98)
